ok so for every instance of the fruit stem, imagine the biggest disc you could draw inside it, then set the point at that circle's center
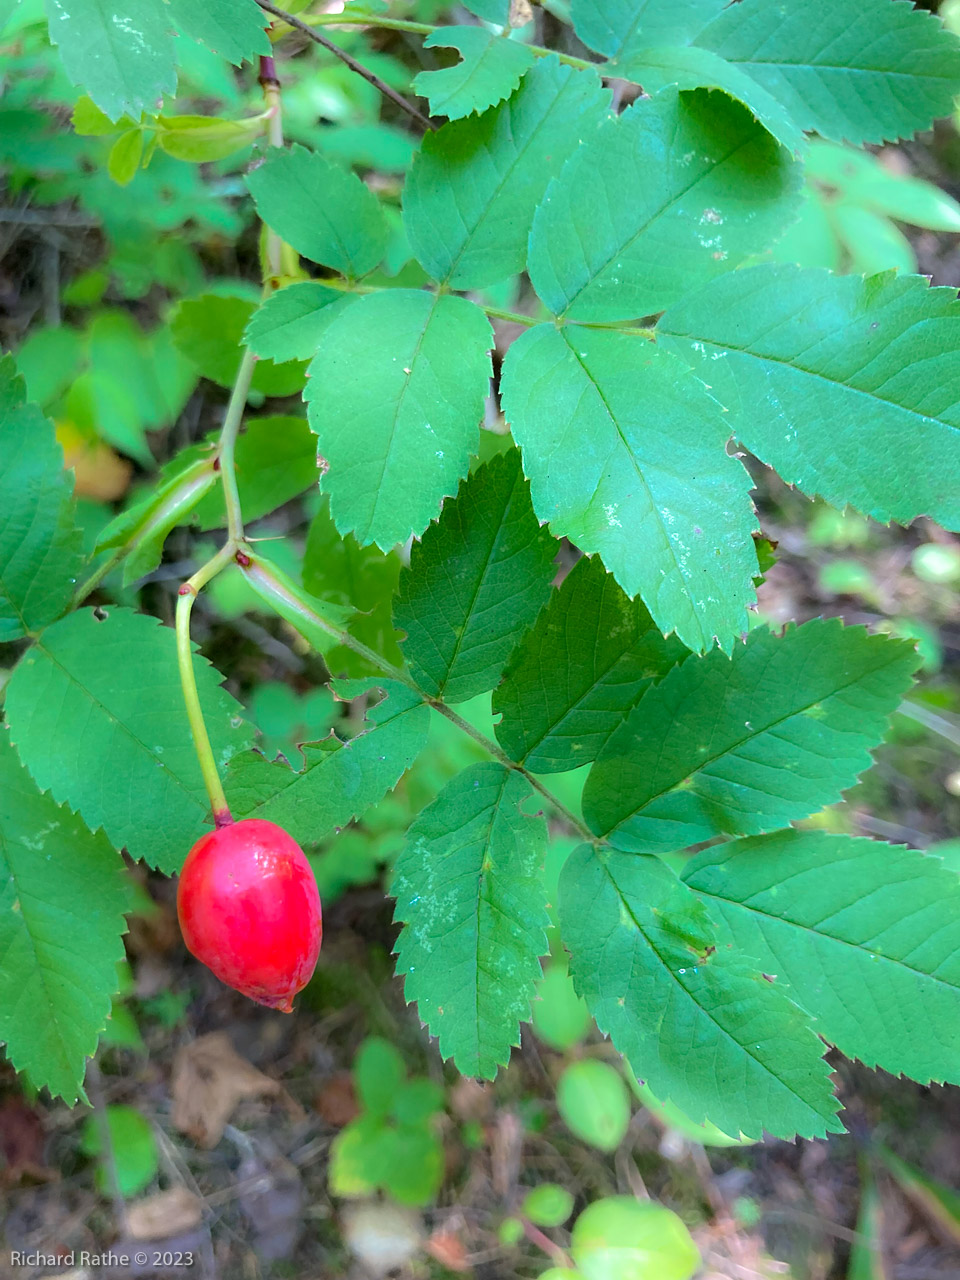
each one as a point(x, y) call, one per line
point(228, 443)
point(188, 679)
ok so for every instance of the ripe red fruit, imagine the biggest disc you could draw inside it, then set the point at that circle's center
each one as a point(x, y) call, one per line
point(249, 909)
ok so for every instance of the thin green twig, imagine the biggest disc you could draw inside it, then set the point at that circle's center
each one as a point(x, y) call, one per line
point(300, 25)
point(416, 28)
point(248, 563)
point(502, 758)
point(90, 584)
point(514, 317)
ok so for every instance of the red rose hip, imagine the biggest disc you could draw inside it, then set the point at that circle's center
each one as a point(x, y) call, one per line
point(249, 909)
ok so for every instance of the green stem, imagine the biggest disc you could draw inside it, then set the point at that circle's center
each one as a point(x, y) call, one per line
point(501, 756)
point(617, 327)
point(948, 729)
point(499, 313)
point(98, 576)
point(515, 317)
point(188, 679)
point(248, 563)
point(423, 29)
point(368, 20)
point(227, 447)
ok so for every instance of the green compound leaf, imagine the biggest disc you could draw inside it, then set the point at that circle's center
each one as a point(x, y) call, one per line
point(85, 728)
point(40, 545)
point(209, 331)
point(626, 458)
point(232, 28)
point(574, 676)
point(678, 189)
point(850, 388)
point(291, 322)
point(124, 60)
point(395, 395)
point(860, 70)
point(701, 1027)
point(726, 746)
point(688, 67)
point(475, 183)
point(864, 936)
point(594, 1104)
point(200, 138)
point(865, 180)
point(475, 583)
point(338, 780)
point(469, 890)
point(323, 210)
point(123, 162)
point(490, 71)
point(616, 28)
point(62, 897)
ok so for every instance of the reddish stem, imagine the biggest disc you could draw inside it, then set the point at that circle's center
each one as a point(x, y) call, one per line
point(268, 71)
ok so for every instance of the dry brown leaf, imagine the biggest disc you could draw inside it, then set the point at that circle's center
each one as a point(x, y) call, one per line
point(168, 1213)
point(520, 13)
point(471, 1100)
point(209, 1079)
point(449, 1250)
point(337, 1100)
point(99, 472)
point(21, 1143)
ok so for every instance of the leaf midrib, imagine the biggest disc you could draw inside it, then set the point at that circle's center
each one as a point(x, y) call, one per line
point(823, 66)
point(507, 174)
point(479, 583)
point(481, 63)
point(729, 750)
point(817, 932)
point(787, 363)
point(684, 576)
point(407, 381)
point(662, 211)
point(782, 1084)
point(481, 879)
point(599, 678)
